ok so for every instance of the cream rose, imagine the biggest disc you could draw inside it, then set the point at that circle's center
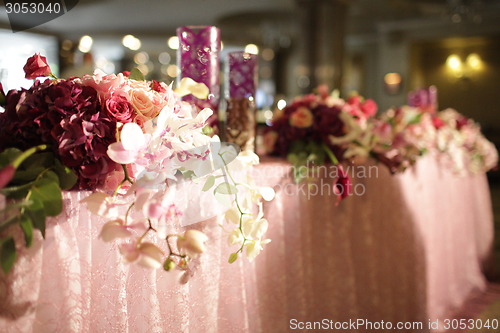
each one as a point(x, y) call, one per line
point(142, 104)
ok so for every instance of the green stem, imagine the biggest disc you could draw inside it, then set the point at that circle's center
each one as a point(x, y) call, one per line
point(126, 178)
point(330, 154)
point(240, 227)
point(20, 159)
point(10, 221)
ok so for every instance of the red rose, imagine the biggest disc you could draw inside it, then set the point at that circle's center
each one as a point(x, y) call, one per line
point(36, 66)
point(119, 109)
point(156, 86)
point(342, 186)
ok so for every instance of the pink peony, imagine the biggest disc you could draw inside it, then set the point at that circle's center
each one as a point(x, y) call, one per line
point(36, 66)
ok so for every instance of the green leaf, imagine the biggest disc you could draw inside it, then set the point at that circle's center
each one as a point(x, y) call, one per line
point(8, 156)
point(233, 257)
point(36, 213)
point(33, 166)
point(188, 173)
point(136, 74)
point(27, 227)
point(8, 254)
point(208, 130)
point(226, 188)
point(209, 183)
point(67, 178)
point(47, 192)
point(16, 192)
point(416, 119)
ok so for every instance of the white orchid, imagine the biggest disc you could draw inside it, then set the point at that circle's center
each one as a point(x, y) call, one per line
point(192, 243)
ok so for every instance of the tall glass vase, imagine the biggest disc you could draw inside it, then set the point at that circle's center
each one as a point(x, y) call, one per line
point(198, 58)
point(241, 85)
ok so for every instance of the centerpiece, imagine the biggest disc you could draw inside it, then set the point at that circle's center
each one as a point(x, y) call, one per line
point(126, 141)
point(322, 128)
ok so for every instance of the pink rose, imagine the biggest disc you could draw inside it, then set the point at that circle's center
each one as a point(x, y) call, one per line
point(301, 118)
point(354, 100)
point(36, 66)
point(142, 104)
point(103, 83)
point(119, 108)
point(369, 107)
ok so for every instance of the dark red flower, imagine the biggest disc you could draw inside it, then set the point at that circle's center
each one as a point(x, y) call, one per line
point(126, 73)
point(68, 117)
point(156, 86)
point(461, 122)
point(342, 185)
point(36, 66)
point(2, 96)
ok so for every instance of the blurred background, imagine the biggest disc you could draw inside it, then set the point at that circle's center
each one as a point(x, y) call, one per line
point(379, 48)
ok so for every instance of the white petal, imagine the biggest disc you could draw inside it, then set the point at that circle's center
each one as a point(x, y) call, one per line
point(267, 193)
point(132, 137)
point(150, 256)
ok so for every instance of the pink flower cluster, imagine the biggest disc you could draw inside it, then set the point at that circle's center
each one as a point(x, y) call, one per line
point(315, 117)
point(79, 117)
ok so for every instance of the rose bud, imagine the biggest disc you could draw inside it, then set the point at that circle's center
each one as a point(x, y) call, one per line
point(2, 95)
point(342, 185)
point(6, 175)
point(36, 66)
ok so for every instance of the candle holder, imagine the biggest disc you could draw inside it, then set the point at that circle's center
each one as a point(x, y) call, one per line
point(425, 98)
point(241, 85)
point(198, 59)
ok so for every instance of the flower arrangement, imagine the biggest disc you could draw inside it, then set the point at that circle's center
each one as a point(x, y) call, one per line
point(312, 131)
point(321, 128)
point(128, 141)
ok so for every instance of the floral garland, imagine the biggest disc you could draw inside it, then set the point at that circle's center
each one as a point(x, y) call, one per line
point(129, 141)
point(319, 127)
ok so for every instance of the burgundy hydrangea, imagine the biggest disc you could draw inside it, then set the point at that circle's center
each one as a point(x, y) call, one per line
point(325, 122)
point(67, 116)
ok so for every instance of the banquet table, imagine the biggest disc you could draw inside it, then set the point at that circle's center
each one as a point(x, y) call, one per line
point(412, 247)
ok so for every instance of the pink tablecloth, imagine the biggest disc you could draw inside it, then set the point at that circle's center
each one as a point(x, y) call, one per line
point(410, 249)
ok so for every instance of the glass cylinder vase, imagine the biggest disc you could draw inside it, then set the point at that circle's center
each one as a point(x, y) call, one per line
point(198, 59)
point(241, 85)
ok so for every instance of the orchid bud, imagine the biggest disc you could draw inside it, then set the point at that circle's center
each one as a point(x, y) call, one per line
point(192, 243)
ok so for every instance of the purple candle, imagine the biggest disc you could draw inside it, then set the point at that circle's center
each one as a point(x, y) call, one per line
point(242, 74)
point(198, 58)
point(241, 84)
